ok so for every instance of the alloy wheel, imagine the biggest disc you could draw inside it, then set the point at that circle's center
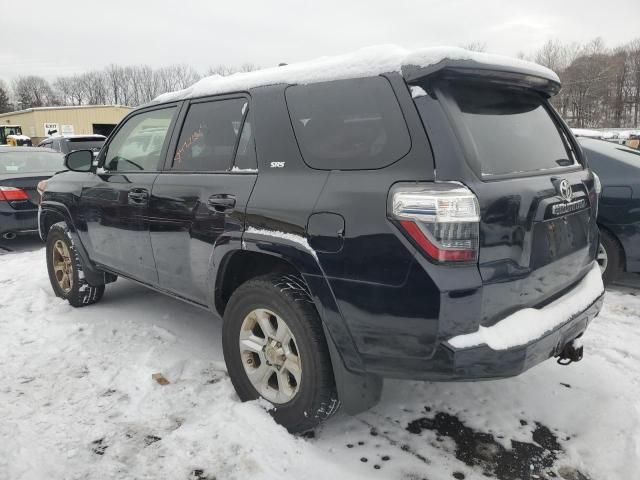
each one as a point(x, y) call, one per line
point(62, 266)
point(270, 356)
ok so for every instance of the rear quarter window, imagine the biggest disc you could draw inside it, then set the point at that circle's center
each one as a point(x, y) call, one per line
point(348, 124)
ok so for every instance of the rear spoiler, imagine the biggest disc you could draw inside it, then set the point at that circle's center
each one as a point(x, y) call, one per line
point(499, 73)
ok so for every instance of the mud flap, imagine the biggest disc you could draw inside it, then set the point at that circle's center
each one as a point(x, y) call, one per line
point(356, 392)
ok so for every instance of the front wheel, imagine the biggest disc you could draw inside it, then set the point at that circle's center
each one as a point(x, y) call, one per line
point(65, 269)
point(274, 348)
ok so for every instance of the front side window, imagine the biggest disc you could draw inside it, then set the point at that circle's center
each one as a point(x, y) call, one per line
point(209, 136)
point(348, 124)
point(137, 146)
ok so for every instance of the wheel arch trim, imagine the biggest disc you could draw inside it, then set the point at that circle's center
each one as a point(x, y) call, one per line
point(306, 264)
point(92, 274)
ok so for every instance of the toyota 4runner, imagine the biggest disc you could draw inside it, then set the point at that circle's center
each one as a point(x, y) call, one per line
point(418, 215)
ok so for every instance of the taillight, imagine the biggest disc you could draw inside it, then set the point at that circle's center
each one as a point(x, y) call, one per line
point(442, 219)
point(12, 194)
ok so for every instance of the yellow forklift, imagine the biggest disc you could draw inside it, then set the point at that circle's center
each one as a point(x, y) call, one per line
point(12, 135)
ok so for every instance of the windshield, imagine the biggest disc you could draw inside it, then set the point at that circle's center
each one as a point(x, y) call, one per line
point(12, 130)
point(30, 162)
point(85, 144)
point(508, 130)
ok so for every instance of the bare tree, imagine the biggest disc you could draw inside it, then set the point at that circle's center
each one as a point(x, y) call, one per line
point(115, 83)
point(33, 91)
point(222, 70)
point(226, 70)
point(475, 46)
point(175, 77)
point(600, 86)
point(5, 104)
point(71, 90)
point(633, 57)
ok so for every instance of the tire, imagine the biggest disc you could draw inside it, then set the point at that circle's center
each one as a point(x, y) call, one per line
point(286, 298)
point(609, 257)
point(68, 283)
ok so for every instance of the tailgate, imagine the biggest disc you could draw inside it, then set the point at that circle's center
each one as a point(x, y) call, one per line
point(538, 232)
point(534, 245)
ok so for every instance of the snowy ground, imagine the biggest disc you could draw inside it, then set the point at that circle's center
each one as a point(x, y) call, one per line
point(77, 401)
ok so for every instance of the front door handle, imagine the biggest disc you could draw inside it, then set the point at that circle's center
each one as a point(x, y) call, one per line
point(138, 196)
point(221, 202)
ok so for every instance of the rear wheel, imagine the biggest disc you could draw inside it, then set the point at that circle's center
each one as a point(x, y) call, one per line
point(609, 257)
point(274, 348)
point(65, 269)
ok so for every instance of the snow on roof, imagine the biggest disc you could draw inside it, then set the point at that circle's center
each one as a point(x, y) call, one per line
point(361, 63)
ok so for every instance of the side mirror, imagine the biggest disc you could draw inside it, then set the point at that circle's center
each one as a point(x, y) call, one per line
point(79, 160)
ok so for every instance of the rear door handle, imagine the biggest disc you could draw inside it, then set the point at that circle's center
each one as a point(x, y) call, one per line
point(138, 196)
point(221, 202)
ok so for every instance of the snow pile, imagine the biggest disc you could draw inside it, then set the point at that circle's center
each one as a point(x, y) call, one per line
point(362, 63)
point(529, 324)
point(77, 401)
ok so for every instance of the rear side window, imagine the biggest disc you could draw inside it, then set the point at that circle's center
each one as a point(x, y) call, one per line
point(348, 124)
point(508, 130)
point(209, 136)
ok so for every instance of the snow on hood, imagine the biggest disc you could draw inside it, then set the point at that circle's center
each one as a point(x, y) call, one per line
point(361, 63)
point(18, 137)
point(530, 324)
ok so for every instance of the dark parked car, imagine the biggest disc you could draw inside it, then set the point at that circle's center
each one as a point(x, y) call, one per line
point(619, 212)
point(70, 143)
point(308, 212)
point(21, 168)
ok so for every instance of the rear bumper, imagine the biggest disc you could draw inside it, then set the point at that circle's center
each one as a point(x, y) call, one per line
point(453, 360)
point(18, 221)
point(482, 362)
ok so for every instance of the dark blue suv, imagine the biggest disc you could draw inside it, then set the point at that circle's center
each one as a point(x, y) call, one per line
point(619, 211)
point(420, 215)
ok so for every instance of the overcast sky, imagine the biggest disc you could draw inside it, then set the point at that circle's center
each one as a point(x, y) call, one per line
point(58, 38)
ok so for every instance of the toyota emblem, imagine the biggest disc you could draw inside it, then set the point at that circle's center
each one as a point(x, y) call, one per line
point(565, 190)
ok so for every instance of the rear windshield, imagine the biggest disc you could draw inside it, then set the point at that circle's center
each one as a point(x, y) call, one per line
point(30, 162)
point(85, 144)
point(508, 130)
